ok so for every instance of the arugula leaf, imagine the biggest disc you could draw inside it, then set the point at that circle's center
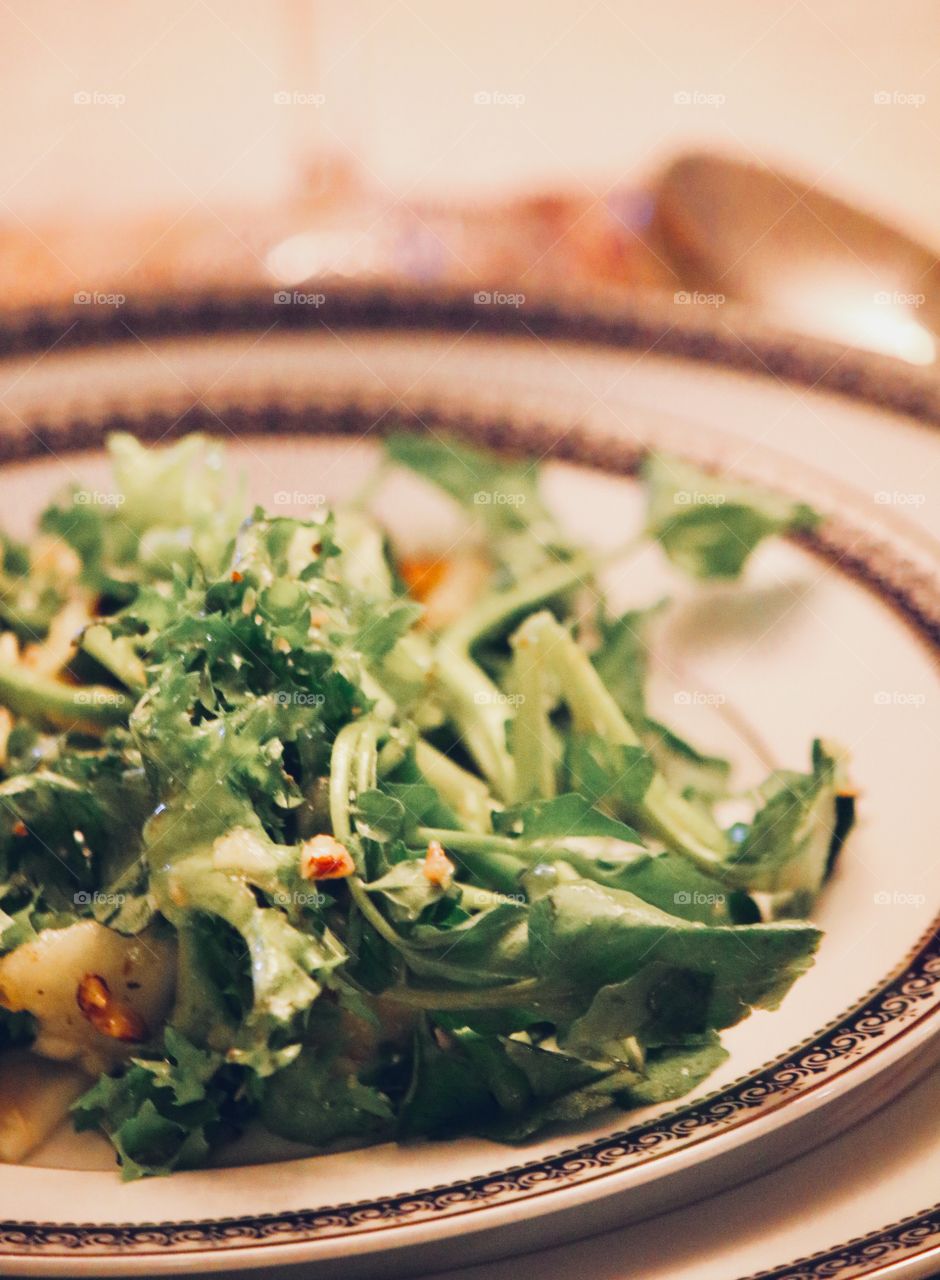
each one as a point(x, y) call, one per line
point(590, 936)
point(165, 1114)
point(29, 598)
point(500, 492)
point(566, 827)
point(667, 1073)
point(547, 842)
point(407, 891)
point(314, 1102)
point(622, 662)
point(501, 1087)
point(662, 812)
point(447, 1093)
point(787, 848)
point(170, 508)
point(622, 657)
point(689, 770)
point(615, 775)
point(565, 816)
point(71, 824)
point(707, 526)
point(489, 946)
point(665, 880)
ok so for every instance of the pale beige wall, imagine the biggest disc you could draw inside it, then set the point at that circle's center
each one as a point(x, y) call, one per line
point(793, 80)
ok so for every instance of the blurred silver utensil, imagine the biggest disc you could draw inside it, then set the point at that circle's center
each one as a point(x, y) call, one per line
point(805, 258)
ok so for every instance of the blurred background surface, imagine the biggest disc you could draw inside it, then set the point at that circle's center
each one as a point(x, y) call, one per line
point(521, 144)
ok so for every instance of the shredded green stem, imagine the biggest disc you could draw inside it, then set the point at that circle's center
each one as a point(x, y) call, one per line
point(355, 753)
point(88, 708)
point(662, 812)
point(478, 706)
point(526, 991)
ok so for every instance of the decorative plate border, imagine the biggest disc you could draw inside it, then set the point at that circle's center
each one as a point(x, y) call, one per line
point(902, 1004)
point(736, 339)
point(870, 1255)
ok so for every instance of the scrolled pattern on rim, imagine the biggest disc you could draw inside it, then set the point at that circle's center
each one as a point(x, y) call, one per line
point(865, 1255)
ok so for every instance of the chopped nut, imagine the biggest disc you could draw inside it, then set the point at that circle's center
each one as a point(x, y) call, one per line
point(324, 858)
point(177, 893)
point(421, 576)
point(446, 587)
point(107, 1014)
point(438, 867)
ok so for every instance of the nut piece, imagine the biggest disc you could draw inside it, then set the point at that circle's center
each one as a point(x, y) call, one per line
point(107, 1014)
point(421, 576)
point(324, 858)
point(437, 866)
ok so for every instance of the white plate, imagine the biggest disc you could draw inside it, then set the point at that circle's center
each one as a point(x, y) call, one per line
point(835, 637)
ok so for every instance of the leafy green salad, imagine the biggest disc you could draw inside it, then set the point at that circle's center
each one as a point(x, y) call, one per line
point(301, 831)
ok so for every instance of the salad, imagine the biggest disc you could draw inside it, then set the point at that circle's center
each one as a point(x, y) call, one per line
point(300, 831)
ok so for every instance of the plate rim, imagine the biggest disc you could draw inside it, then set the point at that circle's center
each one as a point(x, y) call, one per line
point(875, 1247)
point(737, 338)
